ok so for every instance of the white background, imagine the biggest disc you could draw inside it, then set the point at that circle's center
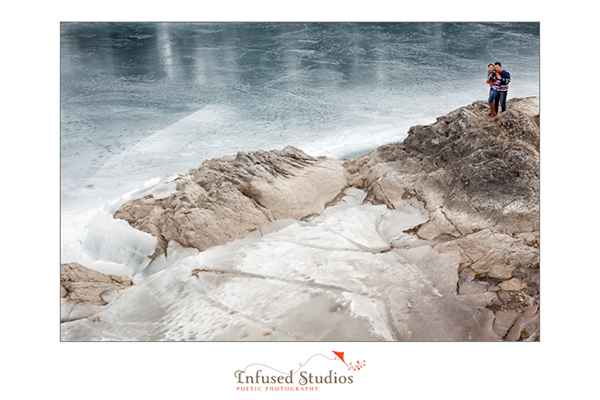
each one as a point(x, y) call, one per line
point(37, 365)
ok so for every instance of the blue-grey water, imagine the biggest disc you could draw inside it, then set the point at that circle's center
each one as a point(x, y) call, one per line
point(144, 100)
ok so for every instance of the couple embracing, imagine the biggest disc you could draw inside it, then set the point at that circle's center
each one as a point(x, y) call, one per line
point(498, 79)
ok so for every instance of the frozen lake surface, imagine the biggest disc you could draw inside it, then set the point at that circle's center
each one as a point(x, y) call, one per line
point(144, 100)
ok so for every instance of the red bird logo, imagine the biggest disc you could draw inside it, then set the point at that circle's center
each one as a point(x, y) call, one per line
point(355, 367)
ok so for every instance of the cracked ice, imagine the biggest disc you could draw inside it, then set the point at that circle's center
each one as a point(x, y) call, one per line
point(350, 274)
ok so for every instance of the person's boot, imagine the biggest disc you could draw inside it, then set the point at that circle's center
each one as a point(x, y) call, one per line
point(492, 110)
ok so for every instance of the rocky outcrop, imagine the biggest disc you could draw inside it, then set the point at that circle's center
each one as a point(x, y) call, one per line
point(472, 172)
point(479, 178)
point(79, 283)
point(85, 290)
point(228, 197)
point(492, 255)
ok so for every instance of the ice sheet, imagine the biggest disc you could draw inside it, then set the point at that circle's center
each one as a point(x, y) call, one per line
point(108, 240)
point(332, 278)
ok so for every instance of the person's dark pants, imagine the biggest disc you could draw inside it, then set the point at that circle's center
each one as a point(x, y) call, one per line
point(500, 100)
